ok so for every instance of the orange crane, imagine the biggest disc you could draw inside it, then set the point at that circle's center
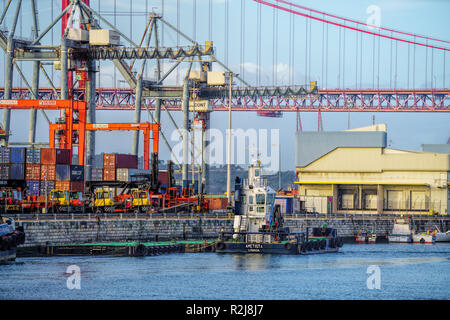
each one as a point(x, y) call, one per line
point(146, 127)
point(70, 107)
point(69, 138)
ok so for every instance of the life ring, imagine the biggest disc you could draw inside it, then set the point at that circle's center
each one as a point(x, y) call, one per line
point(221, 246)
point(288, 246)
point(140, 250)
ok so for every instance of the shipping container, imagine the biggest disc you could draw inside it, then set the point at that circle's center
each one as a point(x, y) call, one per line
point(4, 155)
point(109, 160)
point(96, 174)
point(62, 172)
point(163, 177)
point(33, 188)
point(33, 155)
point(62, 185)
point(17, 155)
point(32, 171)
point(77, 186)
point(139, 174)
point(48, 172)
point(126, 161)
point(109, 174)
point(126, 174)
point(4, 171)
point(17, 171)
point(55, 156)
point(118, 160)
point(76, 173)
point(46, 186)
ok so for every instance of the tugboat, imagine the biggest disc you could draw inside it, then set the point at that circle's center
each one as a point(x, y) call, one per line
point(10, 238)
point(259, 224)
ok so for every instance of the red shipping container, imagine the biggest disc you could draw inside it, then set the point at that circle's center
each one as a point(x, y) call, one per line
point(126, 161)
point(77, 186)
point(109, 174)
point(55, 156)
point(32, 171)
point(62, 185)
point(118, 160)
point(163, 178)
point(48, 172)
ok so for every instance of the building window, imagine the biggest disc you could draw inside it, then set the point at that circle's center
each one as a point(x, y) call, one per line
point(260, 198)
point(260, 209)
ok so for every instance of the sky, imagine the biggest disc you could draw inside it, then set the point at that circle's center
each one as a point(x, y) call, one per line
point(285, 49)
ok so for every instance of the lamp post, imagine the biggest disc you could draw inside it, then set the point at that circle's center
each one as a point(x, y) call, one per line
point(230, 76)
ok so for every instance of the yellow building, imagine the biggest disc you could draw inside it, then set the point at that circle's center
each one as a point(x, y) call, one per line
point(375, 180)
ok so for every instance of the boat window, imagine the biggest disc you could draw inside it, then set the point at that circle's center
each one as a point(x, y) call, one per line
point(260, 198)
point(260, 209)
point(256, 172)
point(250, 208)
point(243, 199)
point(250, 199)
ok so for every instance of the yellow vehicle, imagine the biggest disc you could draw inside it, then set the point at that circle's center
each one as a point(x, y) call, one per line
point(140, 198)
point(104, 201)
point(66, 201)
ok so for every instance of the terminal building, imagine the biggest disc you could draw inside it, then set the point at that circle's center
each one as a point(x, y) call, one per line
point(353, 172)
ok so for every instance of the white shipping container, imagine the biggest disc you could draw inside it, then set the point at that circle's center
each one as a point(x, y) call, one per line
point(216, 78)
point(104, 37)
point(78, 35)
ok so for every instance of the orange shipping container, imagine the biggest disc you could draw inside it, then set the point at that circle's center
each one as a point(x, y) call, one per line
point(32, 171)
point(109, 174)
point(48, 172)
point(62, 185)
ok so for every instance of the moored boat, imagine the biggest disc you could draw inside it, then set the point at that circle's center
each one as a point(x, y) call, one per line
point(401, 232)
point(10, 238)
point(259, 224)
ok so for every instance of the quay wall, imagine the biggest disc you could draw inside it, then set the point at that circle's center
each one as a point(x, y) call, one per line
point(39, 233)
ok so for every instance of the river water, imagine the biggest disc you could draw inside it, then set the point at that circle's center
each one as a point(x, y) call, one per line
point(395, 271)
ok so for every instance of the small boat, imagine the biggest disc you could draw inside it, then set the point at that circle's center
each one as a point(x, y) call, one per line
point(423, 237)
point(401, 232)
point(10, 238)
point(441, 236)
point(258, 224)
point(368, 237)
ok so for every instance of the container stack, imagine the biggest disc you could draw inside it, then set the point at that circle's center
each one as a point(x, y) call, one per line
point(116, 167)
point(42, 170)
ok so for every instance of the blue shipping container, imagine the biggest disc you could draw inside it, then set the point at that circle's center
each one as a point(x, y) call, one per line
point(17, 155)
point(76, 173)
point(17, 171)
point(62, 172)
point(32, 188)
point(33, 155)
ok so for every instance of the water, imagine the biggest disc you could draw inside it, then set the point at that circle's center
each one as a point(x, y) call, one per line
point(407, 271)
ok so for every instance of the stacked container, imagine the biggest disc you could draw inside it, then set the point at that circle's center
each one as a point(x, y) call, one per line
point(112, 162)
point(96, 174)
point(76, 177)
point(127, 175)
point(16, 163)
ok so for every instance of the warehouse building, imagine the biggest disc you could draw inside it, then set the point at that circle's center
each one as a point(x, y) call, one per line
point(350, 177)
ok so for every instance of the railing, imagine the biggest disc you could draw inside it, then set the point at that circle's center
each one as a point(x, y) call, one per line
point(20, 217)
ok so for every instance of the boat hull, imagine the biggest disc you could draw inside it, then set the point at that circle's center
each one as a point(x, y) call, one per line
point(270, 248)
point(442, 237)
point(400, 239)
point(7, 255)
